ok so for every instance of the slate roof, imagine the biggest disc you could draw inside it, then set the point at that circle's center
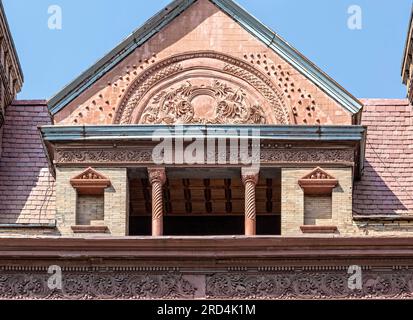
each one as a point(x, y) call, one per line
point(27, 188)
point(387, 185)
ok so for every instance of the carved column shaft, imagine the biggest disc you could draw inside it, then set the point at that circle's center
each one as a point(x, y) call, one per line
point(250, 180)
point(157, 178)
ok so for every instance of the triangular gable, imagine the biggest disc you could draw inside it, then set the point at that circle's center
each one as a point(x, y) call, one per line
point(90, 174)
point(318, 182)
point(242, 17)
point(318, 174)
point(90, 182)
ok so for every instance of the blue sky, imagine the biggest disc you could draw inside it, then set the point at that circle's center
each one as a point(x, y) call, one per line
point(366, 62)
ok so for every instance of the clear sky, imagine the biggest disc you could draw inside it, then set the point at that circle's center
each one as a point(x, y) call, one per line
point(366, 62)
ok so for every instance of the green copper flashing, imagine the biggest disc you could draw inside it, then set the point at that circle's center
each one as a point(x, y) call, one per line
point(247, 21)
point(149, 132)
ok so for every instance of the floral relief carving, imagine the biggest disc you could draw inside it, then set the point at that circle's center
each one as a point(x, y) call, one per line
point(230, 106)
point(89, 157)
point(308, 285)
point(111, 284)
point(96, 286)
point(233, 105)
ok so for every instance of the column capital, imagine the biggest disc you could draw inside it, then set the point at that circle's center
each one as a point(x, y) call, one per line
point(157, 174)
point(250, 175)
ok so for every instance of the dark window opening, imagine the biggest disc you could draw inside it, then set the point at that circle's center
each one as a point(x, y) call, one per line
point(205, 225)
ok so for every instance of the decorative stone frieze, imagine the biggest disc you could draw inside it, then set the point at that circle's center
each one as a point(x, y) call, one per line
point(216, 103)
point(286, 283)
point(144, 156)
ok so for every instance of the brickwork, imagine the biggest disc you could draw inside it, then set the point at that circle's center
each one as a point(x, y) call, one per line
point(90, 210)
point(27, 189)
point(318, 210)
point(204, 27)
point(1, 137)
point(293, 202)
point(116, 203)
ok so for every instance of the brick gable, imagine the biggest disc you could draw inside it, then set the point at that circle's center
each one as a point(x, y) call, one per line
point(204, 27)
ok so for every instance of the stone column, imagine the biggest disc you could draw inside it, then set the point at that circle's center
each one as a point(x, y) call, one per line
point(250, 180)
point(157, 178)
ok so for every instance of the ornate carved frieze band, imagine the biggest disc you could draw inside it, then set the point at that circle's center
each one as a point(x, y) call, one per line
point(144, 156)
point(110, 283)
point(203, 87)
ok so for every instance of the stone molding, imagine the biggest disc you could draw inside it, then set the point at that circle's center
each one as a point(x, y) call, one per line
point(318, 182)
point(89, 229)
point(318, 229)
point(90, 182)
point(249, 268)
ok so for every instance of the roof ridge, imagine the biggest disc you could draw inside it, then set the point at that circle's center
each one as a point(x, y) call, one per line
point(385, 102)
point(28, 102)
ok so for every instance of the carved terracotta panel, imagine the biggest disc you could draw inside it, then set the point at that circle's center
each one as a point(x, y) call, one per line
point(109, 283)
point(90, 182)
point(318, 182)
